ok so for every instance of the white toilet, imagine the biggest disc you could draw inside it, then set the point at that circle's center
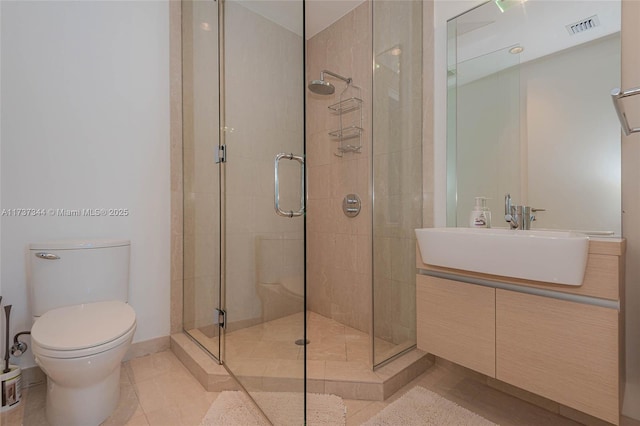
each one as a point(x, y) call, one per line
point(82, 326)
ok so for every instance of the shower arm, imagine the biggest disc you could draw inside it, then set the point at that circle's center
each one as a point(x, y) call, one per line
point(345, 79)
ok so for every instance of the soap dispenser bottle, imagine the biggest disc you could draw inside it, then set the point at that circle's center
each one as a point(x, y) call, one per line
point(480, 215)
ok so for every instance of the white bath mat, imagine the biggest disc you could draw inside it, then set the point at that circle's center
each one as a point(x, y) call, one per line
point(233, 408)
point(422, 407)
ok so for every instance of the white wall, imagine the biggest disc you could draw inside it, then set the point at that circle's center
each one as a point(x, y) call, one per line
point(85, 114)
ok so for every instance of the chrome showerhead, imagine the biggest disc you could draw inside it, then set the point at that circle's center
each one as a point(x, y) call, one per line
point(321, 87)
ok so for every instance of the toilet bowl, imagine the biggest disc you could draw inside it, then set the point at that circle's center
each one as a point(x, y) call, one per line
point(82, 325)
point(80, 348)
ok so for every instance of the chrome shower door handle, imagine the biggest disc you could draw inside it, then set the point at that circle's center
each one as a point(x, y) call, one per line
point(279, 211)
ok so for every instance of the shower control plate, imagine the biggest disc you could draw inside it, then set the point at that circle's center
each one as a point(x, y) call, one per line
point(351, 205)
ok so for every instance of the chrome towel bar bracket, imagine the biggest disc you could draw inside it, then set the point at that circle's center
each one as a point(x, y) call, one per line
point(616, 96)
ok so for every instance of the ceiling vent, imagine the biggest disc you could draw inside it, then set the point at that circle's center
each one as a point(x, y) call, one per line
point(583, 25)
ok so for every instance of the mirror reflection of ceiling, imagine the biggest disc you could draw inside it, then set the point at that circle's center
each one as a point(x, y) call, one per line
point(540, 26)
point(320, 14)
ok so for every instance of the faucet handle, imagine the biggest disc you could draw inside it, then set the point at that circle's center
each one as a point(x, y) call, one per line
point(508, 208)
point(507, 204)
point(533, 217)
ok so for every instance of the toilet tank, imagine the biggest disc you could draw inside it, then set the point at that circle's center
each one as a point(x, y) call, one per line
point(64, 273)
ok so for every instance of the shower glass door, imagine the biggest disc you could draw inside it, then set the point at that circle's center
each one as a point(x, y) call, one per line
point(397, 173)
point(262, 115)
point(201, 175)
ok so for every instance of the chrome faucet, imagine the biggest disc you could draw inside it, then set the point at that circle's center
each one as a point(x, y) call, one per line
point(518, 217)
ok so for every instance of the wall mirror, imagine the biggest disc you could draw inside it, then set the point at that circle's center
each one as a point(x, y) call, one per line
point(529, 112)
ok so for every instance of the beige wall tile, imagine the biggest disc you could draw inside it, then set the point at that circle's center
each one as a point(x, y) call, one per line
point(176, 305)
point(344, 178)
point(318, 177)
point(318, 289)
point(345, 252)
point(361, 224)
point(343, 48)
point(175, 75)
point(319, 147)
point(340, 223)
point(188, 304)
point(363, 254)
point(176, 256)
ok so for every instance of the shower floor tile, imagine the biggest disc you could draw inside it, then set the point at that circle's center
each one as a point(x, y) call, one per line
point(329, 341)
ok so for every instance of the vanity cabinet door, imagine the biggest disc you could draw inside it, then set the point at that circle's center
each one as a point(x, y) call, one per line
point(562, 350)
point(456, 321)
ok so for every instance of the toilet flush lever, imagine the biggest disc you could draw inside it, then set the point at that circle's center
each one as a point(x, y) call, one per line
point(47, 256)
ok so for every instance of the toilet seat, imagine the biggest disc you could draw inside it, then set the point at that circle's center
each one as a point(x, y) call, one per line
point(83, 330)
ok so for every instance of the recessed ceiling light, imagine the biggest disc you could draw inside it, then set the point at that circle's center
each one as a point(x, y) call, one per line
point(205, 26)
point(396, 51)
point(515, 50)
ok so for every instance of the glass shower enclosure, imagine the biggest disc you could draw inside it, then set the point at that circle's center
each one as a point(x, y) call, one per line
point(246, 238)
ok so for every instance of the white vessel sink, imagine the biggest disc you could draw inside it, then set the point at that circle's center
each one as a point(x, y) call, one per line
point(558, 257)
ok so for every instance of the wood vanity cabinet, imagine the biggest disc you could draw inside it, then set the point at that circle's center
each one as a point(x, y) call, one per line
point(569, 351)
point(454, 317)
point(564, 351)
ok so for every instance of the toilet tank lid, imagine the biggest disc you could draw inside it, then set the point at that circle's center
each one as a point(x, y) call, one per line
point(78, 244)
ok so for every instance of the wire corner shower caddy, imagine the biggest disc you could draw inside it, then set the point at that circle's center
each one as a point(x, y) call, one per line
point(349, 110)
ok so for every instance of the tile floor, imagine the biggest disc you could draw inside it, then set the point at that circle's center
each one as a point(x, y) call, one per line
point(158, 390)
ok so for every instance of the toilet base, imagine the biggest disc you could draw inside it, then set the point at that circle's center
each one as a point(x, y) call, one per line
point(85, 406)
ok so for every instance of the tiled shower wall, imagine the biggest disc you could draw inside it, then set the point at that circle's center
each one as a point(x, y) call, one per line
point(339, 247)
